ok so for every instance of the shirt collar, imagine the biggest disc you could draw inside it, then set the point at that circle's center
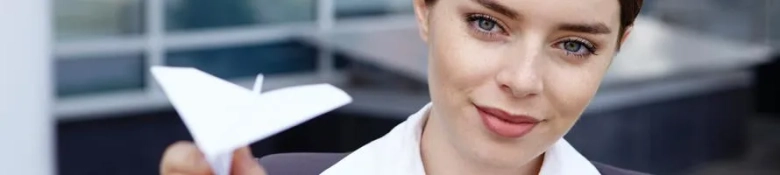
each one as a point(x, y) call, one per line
point(398, 152)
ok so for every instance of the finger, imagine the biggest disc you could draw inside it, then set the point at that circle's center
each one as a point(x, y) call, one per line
point(184, 157)
point(244, 163)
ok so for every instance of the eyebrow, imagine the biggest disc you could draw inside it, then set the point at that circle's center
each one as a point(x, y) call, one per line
point(595, 28)
point(495, 6)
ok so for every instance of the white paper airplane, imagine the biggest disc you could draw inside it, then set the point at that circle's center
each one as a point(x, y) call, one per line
point(222, 116)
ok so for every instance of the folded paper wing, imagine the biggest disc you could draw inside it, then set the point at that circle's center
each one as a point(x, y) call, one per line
point(222, 116)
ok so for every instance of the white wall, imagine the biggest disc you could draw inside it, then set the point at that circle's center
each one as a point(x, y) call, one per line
point(26, 125)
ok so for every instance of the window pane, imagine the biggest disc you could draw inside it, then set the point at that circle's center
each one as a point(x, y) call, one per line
point(773, 20)
point(248, 61)
point(360, 8)
point(199, 14)
point(732, 19)
point(97, 18)
point(78, 76)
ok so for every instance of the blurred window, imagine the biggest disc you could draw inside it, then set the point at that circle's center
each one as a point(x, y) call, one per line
point(732, 19)
point(249, 60)
point(362, 8)
point(88, 75)
point(78, 19)
point(90, 22)
point(773, 20)
point(202, 14)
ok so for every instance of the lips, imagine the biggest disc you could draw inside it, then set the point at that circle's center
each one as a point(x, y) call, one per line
point(505, 124)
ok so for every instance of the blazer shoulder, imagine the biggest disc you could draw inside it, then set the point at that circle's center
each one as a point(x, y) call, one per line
point(605, 169)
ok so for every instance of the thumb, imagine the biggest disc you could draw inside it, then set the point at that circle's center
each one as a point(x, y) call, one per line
point(244, 163)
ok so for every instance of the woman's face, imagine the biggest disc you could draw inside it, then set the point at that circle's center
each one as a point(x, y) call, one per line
point(508, 78)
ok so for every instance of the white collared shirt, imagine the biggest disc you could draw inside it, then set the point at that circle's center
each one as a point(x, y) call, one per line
point(398, 153)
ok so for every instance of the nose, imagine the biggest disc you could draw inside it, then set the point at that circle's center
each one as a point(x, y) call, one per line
point(522, 77)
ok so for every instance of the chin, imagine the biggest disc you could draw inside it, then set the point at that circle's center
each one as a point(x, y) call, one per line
point(504, 154)
point(483, 146)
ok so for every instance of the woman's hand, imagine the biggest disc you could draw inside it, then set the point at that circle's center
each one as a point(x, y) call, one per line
point(184, 158)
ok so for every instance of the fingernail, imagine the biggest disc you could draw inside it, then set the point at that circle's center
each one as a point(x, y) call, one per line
point(246, 163)
point(201, 162)
point(244, 154)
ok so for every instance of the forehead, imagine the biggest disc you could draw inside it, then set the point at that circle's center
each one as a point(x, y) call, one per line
point(570, 11)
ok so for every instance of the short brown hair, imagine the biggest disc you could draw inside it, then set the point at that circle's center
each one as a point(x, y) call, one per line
point(629, 9)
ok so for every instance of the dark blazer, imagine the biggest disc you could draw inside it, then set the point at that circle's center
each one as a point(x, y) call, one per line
point(315, 163)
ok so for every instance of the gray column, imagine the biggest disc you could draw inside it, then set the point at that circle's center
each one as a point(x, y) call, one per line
point(26, 121)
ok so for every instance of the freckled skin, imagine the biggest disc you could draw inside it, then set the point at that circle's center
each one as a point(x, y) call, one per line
point(524, 70)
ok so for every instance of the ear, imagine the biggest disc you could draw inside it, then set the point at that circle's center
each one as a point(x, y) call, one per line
point(626, 33)
point(421, 12)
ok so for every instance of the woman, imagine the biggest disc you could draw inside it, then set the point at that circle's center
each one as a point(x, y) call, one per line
point(507, 78)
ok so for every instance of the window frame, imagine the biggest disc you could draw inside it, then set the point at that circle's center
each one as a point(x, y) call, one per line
point(155, 42)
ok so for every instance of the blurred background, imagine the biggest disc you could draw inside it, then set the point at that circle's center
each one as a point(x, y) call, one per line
point(694, 91)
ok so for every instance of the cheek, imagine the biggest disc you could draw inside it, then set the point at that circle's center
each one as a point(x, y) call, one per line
point(457, 66)
point(458, 63)
point(572, 88)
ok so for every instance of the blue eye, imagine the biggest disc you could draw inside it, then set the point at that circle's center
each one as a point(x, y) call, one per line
point(484, 23)
point(577, 47)
point(572, 46)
